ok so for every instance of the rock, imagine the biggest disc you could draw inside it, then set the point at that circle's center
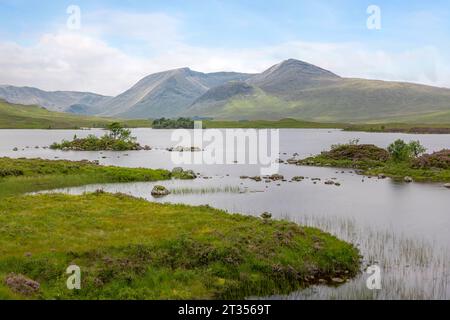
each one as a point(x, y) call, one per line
point(147, 148)
point(266, 215)
point(381, 176)
point(338, 280)
point(329, 182)
point(298, 178)
point(447, 185)
point(243, 177)
point(292, 161)
point(160, 191)
point(21, 284)
point(256, 178)
point(15, 149)
point(276, 177)
point(177, 170)
point(408, 179)
point(189, 174)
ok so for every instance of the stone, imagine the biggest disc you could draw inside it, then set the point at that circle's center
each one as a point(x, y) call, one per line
point(338, 280)
point(160, 191)
point(408, 179)
point(447, 185)
point(177, 170)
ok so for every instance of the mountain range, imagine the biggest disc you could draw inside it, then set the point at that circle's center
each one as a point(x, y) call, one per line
point(292, 88)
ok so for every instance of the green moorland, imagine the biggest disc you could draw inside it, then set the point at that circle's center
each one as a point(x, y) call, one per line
point(129, 248)
point(276, 124)
point(399, 161)
point(14, 116)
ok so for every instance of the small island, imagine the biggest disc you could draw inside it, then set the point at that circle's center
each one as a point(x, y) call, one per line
point(400, 161)
point(118, 139)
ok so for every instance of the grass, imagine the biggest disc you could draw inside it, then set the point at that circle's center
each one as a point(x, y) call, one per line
point(13, 116)
point(129, 248)
point(443, 128)
point(27, 175)
point(206, 190)
point(261, 124)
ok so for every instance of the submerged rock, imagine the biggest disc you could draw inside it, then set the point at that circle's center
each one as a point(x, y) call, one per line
point(447, 185)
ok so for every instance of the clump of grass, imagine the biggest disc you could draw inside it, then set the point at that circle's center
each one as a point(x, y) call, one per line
point(205, 190)
point(129, 248)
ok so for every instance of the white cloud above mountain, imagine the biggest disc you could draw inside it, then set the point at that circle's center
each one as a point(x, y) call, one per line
point(95, 59)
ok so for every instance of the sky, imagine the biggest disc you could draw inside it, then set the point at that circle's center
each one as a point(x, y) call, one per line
point(110, 45)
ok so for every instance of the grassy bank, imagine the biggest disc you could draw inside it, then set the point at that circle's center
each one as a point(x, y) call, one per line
point(129, 248)
point(27, 175)
point(13, 116)
point(261, 124)
point(401, 127)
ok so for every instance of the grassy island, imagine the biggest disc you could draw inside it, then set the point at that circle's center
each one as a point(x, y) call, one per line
point(118, 139)
point(399, 161)
point(129, 248)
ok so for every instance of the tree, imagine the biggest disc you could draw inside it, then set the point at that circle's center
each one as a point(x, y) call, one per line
point(117, 132)
point(402, 151)
point(416, 148)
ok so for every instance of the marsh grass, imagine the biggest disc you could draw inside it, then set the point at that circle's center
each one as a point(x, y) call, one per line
point(206, 190)
point(412, 268)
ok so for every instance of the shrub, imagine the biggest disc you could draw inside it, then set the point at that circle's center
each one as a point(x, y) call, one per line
point(357, 152)
point(440, 159)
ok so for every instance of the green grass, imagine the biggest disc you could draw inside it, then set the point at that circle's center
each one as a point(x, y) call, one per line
point(129, 248)
point(27, 175)
point(13, 116)
point(442, 128)
point(260, 124)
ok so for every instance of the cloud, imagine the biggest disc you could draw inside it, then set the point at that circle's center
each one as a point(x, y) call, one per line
point(86, 60)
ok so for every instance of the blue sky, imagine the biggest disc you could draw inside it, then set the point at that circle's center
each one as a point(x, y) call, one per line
point(125, 40)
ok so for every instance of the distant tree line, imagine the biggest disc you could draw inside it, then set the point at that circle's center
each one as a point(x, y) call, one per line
point(180, 123)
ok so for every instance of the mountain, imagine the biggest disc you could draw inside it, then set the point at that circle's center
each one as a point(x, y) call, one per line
point(290, 89)
point(295, 89)
point(54, 101)
point(166, 94)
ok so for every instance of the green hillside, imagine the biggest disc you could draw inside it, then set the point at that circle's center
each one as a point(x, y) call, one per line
point(344, 101)
point(13, 116)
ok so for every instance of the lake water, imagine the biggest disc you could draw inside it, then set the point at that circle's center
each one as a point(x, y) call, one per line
point(404, 228)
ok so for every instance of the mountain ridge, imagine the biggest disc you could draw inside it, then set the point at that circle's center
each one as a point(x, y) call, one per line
point(291, 88)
